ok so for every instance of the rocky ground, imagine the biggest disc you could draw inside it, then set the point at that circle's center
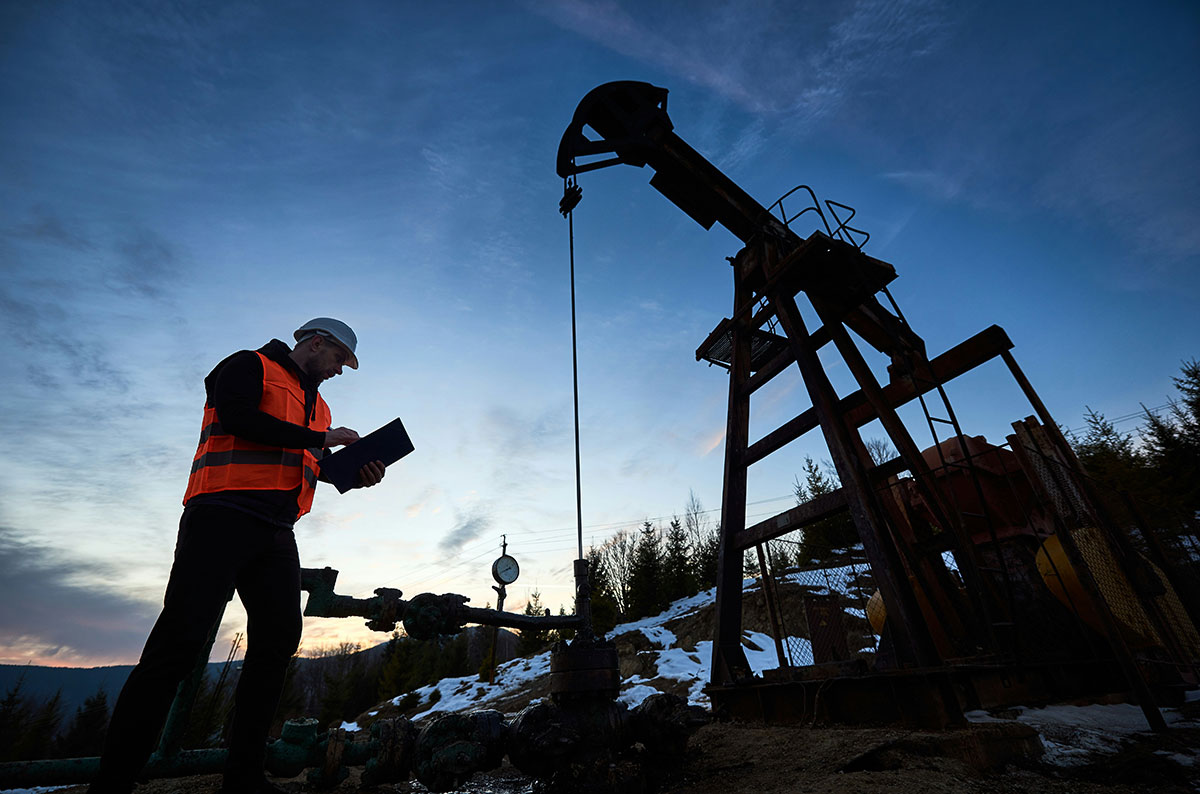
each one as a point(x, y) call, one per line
point(984, 759)
point(1092, 752)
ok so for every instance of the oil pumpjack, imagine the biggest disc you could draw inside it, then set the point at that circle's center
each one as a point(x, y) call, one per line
point(984, 556)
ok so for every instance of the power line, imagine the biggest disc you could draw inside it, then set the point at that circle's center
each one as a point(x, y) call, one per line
point(1118, 420)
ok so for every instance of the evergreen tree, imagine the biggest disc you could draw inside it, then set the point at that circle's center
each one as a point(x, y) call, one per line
point(396, 663)
point(1159, 469)
point(646, 592)
point(563, 635)
point(750, 567)
point(410, 664)
point(533, 640)
point(1173, 449)
point(342, 684)
point(1113, 459)
point(15, 713)
point(704, 558)
point(822, 540)
point(210, 711)
point(604, 603)
point(679, 578)
point(84, 737)
point(37, 740)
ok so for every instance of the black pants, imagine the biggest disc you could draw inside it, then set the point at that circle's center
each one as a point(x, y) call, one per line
point(218, 549)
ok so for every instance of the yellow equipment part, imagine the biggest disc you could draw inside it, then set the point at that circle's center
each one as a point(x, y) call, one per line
point(1062, 579)
point(876, 612)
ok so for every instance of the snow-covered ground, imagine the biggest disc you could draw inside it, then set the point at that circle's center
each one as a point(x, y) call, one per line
point(689, 667)
point(1073, 734)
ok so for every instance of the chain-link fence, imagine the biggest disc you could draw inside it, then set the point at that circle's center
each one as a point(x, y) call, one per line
point(822, 605)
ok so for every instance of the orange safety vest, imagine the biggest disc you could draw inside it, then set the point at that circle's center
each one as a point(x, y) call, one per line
point(224, 462)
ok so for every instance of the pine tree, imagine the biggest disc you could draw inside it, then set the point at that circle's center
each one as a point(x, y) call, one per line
point(750, 567)
point(341, 683)
point(704, 558)
point(563, 635)
point(1173, 450)
point(396, 663)
point(15, 713)
point(679, 580)
point(84, 737)
point(822, 539)
point(1113, 459)
point(646, 593)
point(37, 740)
point(533, 640)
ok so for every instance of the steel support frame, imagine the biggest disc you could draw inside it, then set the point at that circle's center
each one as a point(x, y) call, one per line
point(914, 645)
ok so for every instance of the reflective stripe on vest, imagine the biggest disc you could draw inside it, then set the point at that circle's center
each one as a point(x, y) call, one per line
point(224, 462)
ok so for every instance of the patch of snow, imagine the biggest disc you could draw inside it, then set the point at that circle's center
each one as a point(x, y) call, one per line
point(635, 694)
point(688, 666)
point(1072, 734)
point(680, 608)
point(468, 693)
point(36, 789)
point(1179, 758)
point(372, 713)
point(659, 636)
point(760, 651)
point(350, 726)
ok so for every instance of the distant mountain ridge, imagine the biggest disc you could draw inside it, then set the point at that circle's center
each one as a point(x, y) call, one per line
point(76, 684)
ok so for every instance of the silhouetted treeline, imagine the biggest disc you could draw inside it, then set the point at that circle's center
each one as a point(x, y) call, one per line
point(38, 728)
point(637, 573)
point(1151, 476)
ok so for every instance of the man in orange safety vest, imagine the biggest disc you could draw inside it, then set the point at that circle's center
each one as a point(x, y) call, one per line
point(264, 429)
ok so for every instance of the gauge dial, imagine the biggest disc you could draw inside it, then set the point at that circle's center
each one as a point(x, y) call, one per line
point(505, 570)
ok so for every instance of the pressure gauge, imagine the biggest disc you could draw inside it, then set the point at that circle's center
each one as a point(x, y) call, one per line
point(505, 569)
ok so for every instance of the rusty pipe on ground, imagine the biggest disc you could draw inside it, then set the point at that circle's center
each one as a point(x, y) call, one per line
point(299, 747)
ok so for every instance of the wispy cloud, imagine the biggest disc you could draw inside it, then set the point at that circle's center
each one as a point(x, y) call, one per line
point(470, 524)
point(934, 184)
point(773, 58)
point(147, 263)
point(608, 23)
point(47, 227)
point(427, 495)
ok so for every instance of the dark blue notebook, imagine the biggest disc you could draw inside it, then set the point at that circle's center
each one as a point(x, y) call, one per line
point(387, 444)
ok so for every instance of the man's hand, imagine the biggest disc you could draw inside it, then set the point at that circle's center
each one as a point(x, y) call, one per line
point(340, 437)
point(370, 474)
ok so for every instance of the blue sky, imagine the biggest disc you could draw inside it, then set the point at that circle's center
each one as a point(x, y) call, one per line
point(182, 180)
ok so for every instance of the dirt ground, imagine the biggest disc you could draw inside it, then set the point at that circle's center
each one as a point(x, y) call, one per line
point(724, 758)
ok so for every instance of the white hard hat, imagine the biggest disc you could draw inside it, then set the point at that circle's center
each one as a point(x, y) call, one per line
point(336, 330)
